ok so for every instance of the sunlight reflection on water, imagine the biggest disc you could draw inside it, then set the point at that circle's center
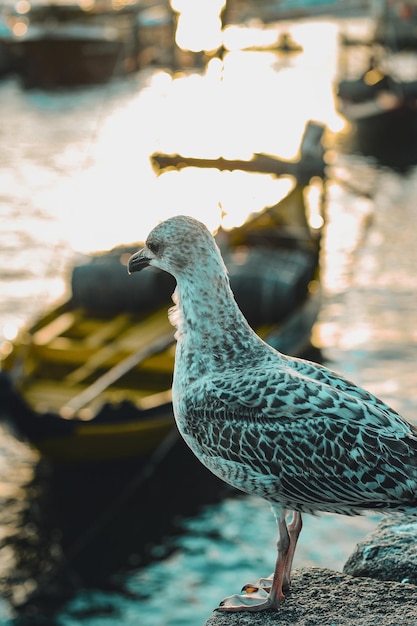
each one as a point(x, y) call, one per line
point(75, 172)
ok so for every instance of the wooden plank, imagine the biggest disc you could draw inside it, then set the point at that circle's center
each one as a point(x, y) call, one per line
point(134, 340)
point(63, 351)
point(162, 363)
point(56, 327)
point(108, 330)
point(51, 395)
point(115, 373)
point(77, 352)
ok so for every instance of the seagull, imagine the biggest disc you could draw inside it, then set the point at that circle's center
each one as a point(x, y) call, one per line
point(291, 431)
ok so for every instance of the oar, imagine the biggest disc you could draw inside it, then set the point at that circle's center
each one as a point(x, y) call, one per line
point(310, 163)
point(101, 384)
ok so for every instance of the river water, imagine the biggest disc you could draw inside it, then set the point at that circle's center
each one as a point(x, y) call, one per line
point(115, 546)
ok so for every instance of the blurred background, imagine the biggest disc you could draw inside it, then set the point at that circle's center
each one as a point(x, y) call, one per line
point(116, 115)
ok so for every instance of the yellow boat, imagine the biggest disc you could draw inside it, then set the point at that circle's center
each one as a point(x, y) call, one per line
point(90, 381)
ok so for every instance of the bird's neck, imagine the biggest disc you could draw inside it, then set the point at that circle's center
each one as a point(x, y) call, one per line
point(211, 330)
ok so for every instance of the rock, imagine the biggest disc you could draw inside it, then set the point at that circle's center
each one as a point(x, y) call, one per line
point(388, 553)
point(320, 597)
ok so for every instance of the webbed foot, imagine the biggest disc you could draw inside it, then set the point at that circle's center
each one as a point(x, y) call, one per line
point(256, 597)
point(262, 583)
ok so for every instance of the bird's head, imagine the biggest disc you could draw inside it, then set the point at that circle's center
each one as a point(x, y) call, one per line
point(178, 246)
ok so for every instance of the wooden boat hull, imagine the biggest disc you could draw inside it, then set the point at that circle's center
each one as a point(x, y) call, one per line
point(93, 385)
point(107, 442)
point(49, 63)
point(122, 437)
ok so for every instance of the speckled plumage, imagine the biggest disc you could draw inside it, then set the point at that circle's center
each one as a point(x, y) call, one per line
point(291, 431)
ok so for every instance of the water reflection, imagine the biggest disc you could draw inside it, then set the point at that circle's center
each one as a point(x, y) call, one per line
point(87, 527)
point(75, 172)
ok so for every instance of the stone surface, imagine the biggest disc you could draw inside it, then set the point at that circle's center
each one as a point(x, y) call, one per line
point(321, 597)
point(388, 553)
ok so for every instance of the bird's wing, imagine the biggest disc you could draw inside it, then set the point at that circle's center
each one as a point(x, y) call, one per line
point(303, 439)
point(322, 374)
point(288, 391)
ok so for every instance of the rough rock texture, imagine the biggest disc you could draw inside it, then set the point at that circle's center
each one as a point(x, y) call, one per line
point(377, 587)
point(389, 553)
point(320, 597)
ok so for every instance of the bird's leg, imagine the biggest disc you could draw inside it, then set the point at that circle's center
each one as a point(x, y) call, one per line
point(267, 592)
point(283, 545)
point(294, 529)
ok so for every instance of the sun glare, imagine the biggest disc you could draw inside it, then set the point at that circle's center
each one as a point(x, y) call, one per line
point(245, 103)
point(199, 25)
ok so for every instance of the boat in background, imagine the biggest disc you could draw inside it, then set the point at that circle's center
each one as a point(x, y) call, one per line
point(376, 93)
point(91, 380)
point(381, 105)
point(62, 45)
point(377, 89)
point(238, 11)
point(395, 24)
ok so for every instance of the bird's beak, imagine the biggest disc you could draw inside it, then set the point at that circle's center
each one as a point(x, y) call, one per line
point(138, 261)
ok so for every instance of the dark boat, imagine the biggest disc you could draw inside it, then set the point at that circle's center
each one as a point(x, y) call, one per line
point(382, 109)
point(375, 93)
point(63, 45)
point(396, 25)
point(381, 102)
point(90, 381)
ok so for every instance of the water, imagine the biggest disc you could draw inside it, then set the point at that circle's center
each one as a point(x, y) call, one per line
point(101, 547)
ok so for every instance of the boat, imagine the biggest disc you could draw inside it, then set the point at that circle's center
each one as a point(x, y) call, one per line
point(381, 106)
point(380, 101)
point(309, 164)
point(391, 24)
point(61, 45)
point(375, 93)
point(396, 24)
point(91, 380)
point(284, 44)
point(270, 11)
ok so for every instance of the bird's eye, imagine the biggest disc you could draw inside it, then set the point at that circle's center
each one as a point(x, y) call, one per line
point(153, 247)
